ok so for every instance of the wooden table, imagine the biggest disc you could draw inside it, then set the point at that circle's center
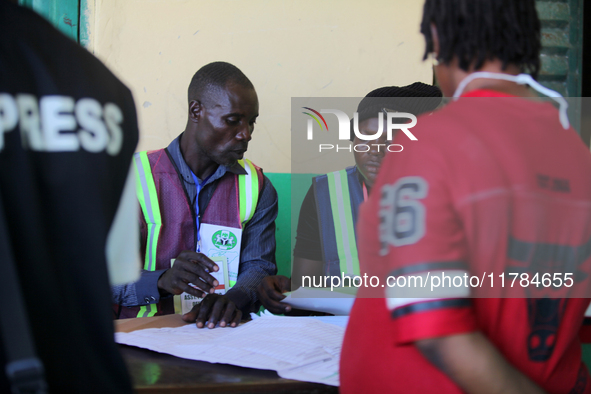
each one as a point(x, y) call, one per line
point(154, 372)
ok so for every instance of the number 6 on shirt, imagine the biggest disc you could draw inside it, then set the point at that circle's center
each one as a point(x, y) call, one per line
point(402, 215)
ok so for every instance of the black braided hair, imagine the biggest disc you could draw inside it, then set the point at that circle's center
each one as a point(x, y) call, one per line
point(478, 30)
point(215, 75)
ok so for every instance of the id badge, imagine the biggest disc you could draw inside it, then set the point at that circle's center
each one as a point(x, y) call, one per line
point(222, 245)
point(220, 241)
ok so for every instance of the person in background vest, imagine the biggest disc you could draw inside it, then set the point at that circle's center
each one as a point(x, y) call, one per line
point(317, 251)
point(200, 199)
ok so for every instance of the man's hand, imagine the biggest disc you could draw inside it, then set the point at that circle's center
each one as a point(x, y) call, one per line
point(213, 309)
point(190, 267)
point(270, 292)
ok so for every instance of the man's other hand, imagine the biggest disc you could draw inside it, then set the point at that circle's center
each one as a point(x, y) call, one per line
point(213, 309)
point(190, 267)
point(270, 292)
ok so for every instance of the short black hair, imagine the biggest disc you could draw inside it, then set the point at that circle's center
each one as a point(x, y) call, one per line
point(215, 75)
point(478, 30)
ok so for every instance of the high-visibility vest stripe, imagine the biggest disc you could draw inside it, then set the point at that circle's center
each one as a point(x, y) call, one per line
point(147, 310)
point(146, 192)
point(153, 310)
point(340, 203)
point(248, 189)
point(241, 189)
point(254, 181)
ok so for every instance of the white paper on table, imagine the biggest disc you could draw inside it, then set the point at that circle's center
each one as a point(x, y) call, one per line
point(339, 321)
point(321, 300)
point(299, 348)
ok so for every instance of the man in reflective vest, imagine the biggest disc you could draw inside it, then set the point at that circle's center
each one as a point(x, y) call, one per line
point(202, 202)
point(326, 239)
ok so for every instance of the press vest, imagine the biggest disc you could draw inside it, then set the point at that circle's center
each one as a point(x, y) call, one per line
point(169, 226)
point(338, 196)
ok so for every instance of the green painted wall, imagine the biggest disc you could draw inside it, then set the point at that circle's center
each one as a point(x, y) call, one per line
point(562, 51)
point(587, 355)
point(562, 45)
point(63, 14)
point(83, 30)
point(282, 183)
point(291, 190)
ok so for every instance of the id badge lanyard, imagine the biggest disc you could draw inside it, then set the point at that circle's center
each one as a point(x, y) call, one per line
point(198, 186)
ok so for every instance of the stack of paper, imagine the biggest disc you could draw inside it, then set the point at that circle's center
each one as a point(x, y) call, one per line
point(299, 348)
point(338, 301)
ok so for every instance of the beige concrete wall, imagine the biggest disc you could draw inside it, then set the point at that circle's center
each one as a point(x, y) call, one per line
point(287, 48)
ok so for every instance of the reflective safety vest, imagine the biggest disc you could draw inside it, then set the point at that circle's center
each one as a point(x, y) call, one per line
point(169, 226)
point(338, 196)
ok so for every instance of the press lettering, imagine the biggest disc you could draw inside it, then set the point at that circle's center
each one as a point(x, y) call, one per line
point(61, 124)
